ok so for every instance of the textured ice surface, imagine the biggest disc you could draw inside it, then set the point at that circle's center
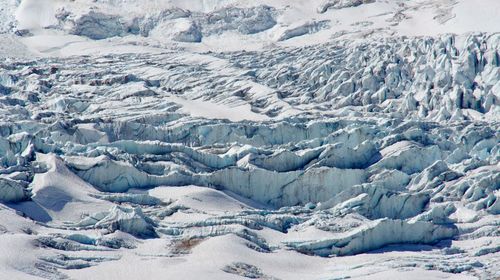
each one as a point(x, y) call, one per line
point(170, 24)
point(340, 4)
point(130, 149)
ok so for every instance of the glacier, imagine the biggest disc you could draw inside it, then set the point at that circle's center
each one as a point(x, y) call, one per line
point(271, 140)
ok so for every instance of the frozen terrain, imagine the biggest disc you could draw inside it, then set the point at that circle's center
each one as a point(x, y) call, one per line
point(233, 139)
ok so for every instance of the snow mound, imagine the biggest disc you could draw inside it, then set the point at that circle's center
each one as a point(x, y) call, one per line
point(35, 14)
point(181, 30)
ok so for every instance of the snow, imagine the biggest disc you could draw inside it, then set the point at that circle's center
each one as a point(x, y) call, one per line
point(35, 14)
point(205, 109)
point(230, 139)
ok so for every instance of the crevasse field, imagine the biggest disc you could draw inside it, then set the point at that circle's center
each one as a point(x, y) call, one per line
point(265, 139)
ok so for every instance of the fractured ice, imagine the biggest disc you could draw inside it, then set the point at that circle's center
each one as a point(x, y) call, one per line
point(335, 149)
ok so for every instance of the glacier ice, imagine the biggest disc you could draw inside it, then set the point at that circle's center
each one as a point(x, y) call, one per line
point(340, 4)
point(339, 147)
point(170, 24)
point(13, 190)
point(130, 220)
point(374, 235)
point(97, 25)
point(303, 29)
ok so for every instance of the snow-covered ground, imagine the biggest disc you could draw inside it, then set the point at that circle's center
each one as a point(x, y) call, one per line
point(232, 139)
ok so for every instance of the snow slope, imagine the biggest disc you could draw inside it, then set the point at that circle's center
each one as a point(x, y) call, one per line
point(230, 139)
